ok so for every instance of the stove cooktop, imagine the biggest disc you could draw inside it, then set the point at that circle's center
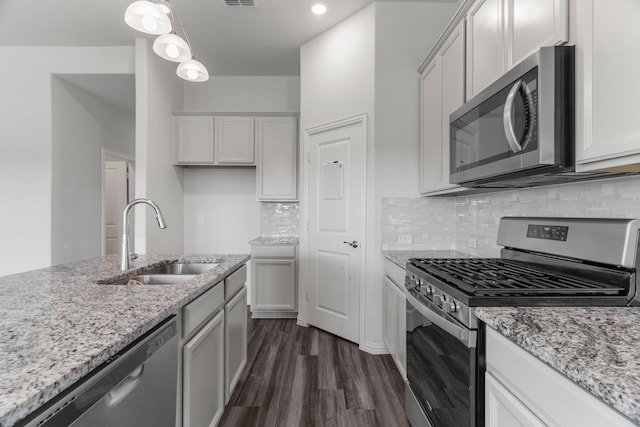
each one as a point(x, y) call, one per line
point(497, 281)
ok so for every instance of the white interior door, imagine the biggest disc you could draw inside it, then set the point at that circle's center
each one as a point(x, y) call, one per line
point(336, 194)
point(115, 197)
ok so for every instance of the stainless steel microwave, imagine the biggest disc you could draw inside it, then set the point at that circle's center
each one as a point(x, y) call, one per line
point(518, 132)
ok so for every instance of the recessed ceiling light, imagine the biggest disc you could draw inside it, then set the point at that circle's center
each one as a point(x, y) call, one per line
point(318, 8)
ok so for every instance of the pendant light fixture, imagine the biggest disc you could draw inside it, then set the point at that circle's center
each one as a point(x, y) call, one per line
point(192, 71)
point(147, 17)
point(152, 17)
point(172, 48)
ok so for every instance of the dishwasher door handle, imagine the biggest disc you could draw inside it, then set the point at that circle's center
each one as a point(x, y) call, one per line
point(126, 386)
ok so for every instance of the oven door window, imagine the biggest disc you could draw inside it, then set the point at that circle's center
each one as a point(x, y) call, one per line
point(441, 372)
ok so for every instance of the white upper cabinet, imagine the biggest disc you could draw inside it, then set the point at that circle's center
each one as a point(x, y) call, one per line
point(431, 167)
point(501, 33)
point(485, 45)
point(531, 24)
point(442, 92)
point(607, 85)
point(235, 141)
point(195, 138)
point(277, 162)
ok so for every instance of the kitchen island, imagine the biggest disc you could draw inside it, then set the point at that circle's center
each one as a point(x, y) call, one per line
point(59, 323)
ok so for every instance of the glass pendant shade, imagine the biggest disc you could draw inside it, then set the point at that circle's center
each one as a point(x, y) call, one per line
point(147, 17)
point(192, 71)
point(172, 48)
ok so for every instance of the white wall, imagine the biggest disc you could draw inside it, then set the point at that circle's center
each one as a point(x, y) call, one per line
point(368, 64)
point(244, 94)
point(26, 143)
point(82, 124)
point(158, 92)
point(221, 214)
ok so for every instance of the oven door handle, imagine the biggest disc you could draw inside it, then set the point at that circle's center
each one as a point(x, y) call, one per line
point(467, 337)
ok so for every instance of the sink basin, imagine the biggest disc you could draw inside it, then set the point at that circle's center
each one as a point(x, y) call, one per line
point(182, 268)
point(154, 279)
point(190, 268)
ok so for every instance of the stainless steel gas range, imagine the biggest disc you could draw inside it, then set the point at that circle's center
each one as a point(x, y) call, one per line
point(543, 262)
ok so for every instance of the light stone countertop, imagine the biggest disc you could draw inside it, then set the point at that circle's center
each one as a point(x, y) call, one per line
point(275, 241)
point(596, 347)
point(58, 324)
point(400, 257)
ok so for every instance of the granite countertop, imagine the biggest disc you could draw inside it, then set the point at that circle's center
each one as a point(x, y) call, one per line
point(596, 347)
point(58, 324)
point(400, 257)
point(275, 241)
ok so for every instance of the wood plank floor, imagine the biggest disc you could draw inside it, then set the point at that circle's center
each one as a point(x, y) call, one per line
point(305, 377)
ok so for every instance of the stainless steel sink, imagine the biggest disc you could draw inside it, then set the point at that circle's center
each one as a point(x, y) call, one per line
point(154, 279)
point(182, 268)
point(190, 268)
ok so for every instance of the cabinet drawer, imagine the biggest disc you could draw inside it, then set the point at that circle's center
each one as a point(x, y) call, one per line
point(235, 281)
point(288, 251)
point(196, 312)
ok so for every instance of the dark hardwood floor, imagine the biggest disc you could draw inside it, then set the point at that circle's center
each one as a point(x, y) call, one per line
point(305, 377)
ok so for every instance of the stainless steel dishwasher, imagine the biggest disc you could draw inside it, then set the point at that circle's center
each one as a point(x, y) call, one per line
point(136, 388)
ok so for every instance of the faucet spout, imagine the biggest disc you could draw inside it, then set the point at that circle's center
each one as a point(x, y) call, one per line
point(125, 256)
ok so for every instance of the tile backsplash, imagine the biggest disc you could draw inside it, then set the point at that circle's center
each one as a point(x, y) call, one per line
point(279, 219)
point(470, 223)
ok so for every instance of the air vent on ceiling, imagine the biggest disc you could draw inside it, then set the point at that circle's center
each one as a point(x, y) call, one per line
point(240, 3)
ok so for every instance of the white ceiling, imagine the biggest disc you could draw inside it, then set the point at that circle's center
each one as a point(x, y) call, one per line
point(261, 40)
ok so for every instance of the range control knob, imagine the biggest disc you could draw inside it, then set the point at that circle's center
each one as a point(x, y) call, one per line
point(412, 283)
point(449, 306)
point(437, 300)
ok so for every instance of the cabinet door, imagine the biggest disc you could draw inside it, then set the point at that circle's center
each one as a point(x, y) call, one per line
point(235, 142)
point(485, 45)
point(273, 285)
point(607, 86)
point(401, 334)
point(503, 409)
point(277, 164)
point(534, 23)
point(390, 316)
point(235, 332)
point(203, 375)
point(431, 127)
point(194, 143)
point(442, 92)
point(453, 93)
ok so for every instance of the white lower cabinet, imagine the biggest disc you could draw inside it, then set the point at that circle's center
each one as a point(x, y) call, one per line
point(521, 390)
point(214, 351)
point(203, 375)
point(235, 332)
point(274, 285)
point(503, 409)
point(395, 320)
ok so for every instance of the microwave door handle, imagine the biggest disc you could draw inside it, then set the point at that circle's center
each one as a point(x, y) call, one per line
point(507, 118)
point(468, 338)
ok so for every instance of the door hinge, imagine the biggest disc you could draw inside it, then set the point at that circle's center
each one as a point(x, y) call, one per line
point(307, 225)
point(308, 156)
point(307, 295)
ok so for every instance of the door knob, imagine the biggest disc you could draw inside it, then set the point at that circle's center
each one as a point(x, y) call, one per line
point(353, 244)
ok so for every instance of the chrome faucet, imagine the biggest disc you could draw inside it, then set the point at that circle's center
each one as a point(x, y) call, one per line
point(125, 256)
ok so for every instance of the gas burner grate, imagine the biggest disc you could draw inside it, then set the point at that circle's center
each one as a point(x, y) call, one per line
point(496, 276)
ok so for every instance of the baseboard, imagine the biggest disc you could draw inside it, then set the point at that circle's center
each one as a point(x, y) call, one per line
point(273, 315)
point(374, 348)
